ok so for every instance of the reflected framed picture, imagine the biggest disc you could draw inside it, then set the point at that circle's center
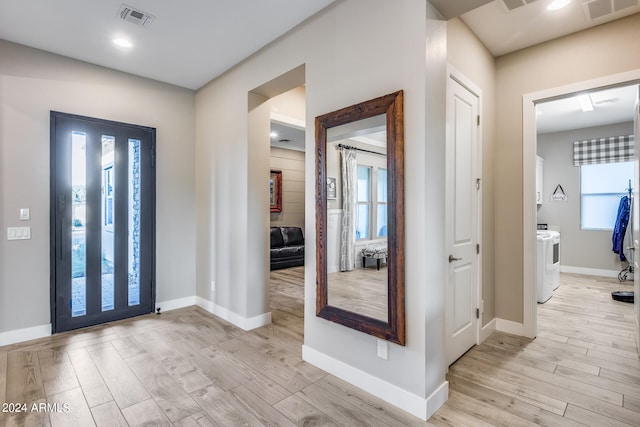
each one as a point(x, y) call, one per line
point(275, 191)
point(331, 188)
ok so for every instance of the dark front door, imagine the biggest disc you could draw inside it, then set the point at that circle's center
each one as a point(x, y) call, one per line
point(102, 221)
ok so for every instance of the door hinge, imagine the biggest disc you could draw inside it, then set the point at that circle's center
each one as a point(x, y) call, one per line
point(477, 313)
point(478, 119)
point(477, 183)
point(478, 248)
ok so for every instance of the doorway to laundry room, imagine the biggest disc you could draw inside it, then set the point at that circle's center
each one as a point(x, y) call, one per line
point(585, 179)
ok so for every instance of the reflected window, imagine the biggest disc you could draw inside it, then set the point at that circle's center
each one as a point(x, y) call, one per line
point(371, 210)
point(363, 209)
point(381, 202)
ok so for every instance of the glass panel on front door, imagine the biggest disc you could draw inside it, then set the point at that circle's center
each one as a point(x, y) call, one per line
point(79, 219)
point(134, 222)
point(107, 264)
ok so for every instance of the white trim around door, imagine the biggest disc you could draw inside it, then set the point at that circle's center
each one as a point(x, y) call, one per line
point(529, 149)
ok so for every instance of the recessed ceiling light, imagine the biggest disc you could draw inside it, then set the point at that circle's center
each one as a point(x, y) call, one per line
point(122, 42)
point(274, 134)
point(558, 4)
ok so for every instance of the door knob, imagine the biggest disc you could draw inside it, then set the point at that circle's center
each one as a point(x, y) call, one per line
point(452, 258)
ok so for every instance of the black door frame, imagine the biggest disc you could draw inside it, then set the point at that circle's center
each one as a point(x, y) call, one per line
point(55, 216)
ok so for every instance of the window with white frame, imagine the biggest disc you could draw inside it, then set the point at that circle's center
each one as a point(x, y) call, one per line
point(371, 203)
point(601, 188)
point(606, 170)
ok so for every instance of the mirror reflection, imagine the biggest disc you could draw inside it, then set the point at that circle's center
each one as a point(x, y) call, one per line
point(360, 217)
point(357, 248)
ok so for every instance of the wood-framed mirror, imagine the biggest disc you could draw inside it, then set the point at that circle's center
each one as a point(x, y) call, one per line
point(360, 217)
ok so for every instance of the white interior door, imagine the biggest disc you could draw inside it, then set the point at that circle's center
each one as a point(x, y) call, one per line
point(463, 187)
point(636, 219)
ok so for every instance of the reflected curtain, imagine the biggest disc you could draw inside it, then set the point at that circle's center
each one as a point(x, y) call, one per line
point(349, 168)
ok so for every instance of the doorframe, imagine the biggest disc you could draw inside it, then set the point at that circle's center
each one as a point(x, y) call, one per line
point(53, 216)
point(258, 143)
point(529, 150)
point(455, 74)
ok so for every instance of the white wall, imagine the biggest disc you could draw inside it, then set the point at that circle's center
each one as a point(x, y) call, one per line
point(289, 107)
point(342, 67)
point(587, 249)
point(32, 83)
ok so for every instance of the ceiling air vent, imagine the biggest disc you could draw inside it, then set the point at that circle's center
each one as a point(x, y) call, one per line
point(510, 5)
point(138, 17)
point(597, 9)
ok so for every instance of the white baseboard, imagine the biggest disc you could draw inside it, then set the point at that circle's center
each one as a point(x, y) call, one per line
point(588, 271)
point(26, 334)
point(487, 330)
point(176, 303)
point(247, 324)
point(403, 399)
point(243, 323)
point(509, 327)
point(437, 399)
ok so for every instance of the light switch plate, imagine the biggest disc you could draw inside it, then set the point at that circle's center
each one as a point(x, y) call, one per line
point(18, 233)
point(25, 214)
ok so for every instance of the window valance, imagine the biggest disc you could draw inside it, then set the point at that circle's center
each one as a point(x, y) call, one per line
point(604, 150)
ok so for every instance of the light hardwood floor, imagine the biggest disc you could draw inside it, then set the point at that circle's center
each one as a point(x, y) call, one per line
point(185, 368)
point(363, 290)
point(582, 369)
point(188, 368)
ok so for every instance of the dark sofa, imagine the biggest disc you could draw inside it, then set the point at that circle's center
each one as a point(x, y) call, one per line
point(287, 247)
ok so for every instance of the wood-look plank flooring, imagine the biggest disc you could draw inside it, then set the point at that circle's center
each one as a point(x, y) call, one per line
point(363, 290)
point(582, 369)
point(188, 368)
point(185, 368)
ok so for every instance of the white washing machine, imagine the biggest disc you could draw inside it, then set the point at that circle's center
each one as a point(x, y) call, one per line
point(553, 260)
point(544, 289)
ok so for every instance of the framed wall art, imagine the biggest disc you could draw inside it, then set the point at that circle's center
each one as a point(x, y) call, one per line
point(331, 188)
point(275, 191)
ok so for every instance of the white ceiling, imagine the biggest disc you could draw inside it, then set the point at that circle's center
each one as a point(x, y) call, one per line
point(452, 8)
point(613, 105)
point(504, 31)
point(192, 41)
point(287, 136)
point(188, 43)
point(528, 23)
